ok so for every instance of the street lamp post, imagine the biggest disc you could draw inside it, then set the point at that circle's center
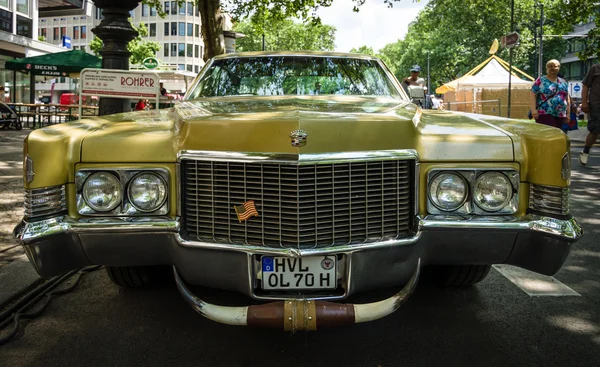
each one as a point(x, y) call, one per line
point(116, 32)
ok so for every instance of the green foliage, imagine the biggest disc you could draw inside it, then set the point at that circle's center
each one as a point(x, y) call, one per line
point(366, 50)
point(457, 36)
point(42, 38)
point(565, 14)
point(139, 48)
point(285, 35)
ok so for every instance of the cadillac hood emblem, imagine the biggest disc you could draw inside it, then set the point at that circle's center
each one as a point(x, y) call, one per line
point(298, 138)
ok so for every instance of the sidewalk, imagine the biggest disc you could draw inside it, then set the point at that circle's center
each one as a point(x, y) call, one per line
point(16, 274)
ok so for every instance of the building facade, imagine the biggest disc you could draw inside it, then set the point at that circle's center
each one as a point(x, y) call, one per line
point(18, 38)
point(178, 33)
point(572, 68)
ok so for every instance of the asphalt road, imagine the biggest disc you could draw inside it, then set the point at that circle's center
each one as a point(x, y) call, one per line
point(492, 324)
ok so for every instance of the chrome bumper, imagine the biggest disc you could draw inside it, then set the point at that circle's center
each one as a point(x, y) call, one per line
point(533, 242)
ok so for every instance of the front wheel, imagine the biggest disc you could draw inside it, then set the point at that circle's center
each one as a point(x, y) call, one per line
point(456, 275)
point(139, 276)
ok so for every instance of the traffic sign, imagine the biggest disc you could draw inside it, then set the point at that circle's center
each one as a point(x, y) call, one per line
point(510, 40)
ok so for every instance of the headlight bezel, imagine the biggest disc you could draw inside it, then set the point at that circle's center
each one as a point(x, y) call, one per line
point(125, 175)
point(470, 175)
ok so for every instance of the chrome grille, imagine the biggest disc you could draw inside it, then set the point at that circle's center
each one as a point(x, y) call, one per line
point(549, 199)
point(45, 201)
point(300, 205)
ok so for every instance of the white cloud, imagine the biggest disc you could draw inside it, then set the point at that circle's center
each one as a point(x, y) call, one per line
point(375, 25)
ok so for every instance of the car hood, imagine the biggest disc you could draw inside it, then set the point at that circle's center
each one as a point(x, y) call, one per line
point(264, 124)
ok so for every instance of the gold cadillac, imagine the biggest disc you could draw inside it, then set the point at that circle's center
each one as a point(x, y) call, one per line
point(297, 179)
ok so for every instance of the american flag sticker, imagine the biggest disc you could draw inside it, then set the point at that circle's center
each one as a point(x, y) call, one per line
point(246, 211)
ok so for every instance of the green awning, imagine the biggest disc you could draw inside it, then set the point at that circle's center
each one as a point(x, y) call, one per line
point(58, 64)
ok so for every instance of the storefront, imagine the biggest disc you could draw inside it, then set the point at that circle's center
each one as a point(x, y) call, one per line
point(18, 24)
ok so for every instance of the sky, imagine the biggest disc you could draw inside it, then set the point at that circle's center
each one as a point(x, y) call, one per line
point(375, 25)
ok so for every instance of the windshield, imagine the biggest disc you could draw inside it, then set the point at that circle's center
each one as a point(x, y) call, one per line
point(294, 75)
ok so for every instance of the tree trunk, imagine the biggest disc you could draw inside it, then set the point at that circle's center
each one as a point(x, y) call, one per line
point(212, 28)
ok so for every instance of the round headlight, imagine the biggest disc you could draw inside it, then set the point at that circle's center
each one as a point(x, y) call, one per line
point(448, 191)
point(102, 191)
point(147, 192)
point(493, 191)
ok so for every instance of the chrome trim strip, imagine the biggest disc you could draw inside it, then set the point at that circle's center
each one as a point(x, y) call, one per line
point(25, 232)
point(29, 172)
point(325, 158)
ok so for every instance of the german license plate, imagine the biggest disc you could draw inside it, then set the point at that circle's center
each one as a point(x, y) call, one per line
point(286, 273)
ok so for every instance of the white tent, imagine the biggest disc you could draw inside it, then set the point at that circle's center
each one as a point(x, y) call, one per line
point(491, 74)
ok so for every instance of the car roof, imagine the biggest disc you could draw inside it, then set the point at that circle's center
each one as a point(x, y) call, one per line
point(295, 53)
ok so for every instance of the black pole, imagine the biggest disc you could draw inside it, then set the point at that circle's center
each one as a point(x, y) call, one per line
point(541, 54)
point(510, 55)
point(535, 61)
point(263, 42)
point(116, 32)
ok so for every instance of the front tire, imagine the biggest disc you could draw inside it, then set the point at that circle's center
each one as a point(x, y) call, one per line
point(138, 276)
point(456, 275)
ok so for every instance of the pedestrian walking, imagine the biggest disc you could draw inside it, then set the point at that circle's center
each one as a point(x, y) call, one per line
point(549, 101)
point(590, 104)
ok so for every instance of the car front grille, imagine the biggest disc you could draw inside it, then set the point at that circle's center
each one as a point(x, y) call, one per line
point(45, 201)
point(299, 205)
point(549, 199)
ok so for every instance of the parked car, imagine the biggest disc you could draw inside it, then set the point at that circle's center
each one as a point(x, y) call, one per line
point(298, 180)
point(9, 118)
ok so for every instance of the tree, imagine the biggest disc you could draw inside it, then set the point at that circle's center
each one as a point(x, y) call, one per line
point(566, 13)
point(457, 35)
point(260, 12)
point(285, 35)
point(139, 48)
point(366, 50)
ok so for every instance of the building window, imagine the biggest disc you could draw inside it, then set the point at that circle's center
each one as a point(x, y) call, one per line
point(63, 32)
point(196, 69)
point(576, 70)
point(189, 67)
point(6, 20)
point(180, 67)
point(76, 32)
point(152, 30)
point(83, 32)
point(182, 9)
point(166, 29)
point(190, 50)
point(44, 33)
point(196, 50)
point(181, 29)
point(23, 6)
point(173, 28)
point(190, 29)
point(145, 10)
point(6, 4)
point(55, 36)
point(152, 11)
point(99, 13)
point(197, 30)
point(166, 50)
point(173, 49)
point(24, 27)
point(174, 7)
point(190, 10)
point(181, 51)
point(167, 7)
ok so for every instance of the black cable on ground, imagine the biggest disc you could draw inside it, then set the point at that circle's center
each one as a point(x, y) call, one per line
point(9, 248)
point(44, 291)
